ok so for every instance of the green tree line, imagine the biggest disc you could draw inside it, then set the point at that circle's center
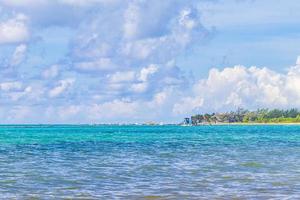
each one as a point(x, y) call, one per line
point(246, 116)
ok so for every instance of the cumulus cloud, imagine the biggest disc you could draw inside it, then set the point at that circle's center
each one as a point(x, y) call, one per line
point(147, 34)
point(146, 72)
point(14, 30)
point(240, 86)
point(121, 56)
point(144, 83)
point(132, 56)
point(62, 86)
point(222, 90)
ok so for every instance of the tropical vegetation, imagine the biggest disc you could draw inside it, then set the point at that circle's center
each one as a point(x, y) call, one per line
point(246, 116)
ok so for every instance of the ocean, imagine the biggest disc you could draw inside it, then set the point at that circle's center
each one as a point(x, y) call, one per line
point(149, 162)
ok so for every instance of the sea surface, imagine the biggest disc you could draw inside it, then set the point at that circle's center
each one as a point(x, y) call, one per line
point(149, 162)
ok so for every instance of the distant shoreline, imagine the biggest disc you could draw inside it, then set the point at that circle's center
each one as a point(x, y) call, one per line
point(245, 117)
point(247, 124)
point(169, 124)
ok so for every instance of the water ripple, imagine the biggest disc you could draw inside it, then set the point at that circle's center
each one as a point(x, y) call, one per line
point(146, 162)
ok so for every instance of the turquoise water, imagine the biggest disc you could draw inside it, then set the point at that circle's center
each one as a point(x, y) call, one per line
point(149, 162)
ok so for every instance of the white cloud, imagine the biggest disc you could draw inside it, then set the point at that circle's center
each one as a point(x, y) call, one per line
point(222, 90)
point(127, 52)
point(15, 96)
point(147, 80)
point(51, 72)
point(145, 35)
point(9, 86)
point(18, 55)
point(141, 82)
point(62, 87)
point(146, 72)
point(239, 86)
point(12, 91)
point(14, 30)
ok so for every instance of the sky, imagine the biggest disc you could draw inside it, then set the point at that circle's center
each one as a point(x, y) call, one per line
point(127, 61)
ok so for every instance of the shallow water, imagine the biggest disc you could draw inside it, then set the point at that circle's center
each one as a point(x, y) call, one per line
point(149, 162)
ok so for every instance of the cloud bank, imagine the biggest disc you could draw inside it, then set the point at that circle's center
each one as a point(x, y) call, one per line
point(240, 86)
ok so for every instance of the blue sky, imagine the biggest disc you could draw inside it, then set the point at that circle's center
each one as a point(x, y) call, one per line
point(100, 61)
point(260, 33)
